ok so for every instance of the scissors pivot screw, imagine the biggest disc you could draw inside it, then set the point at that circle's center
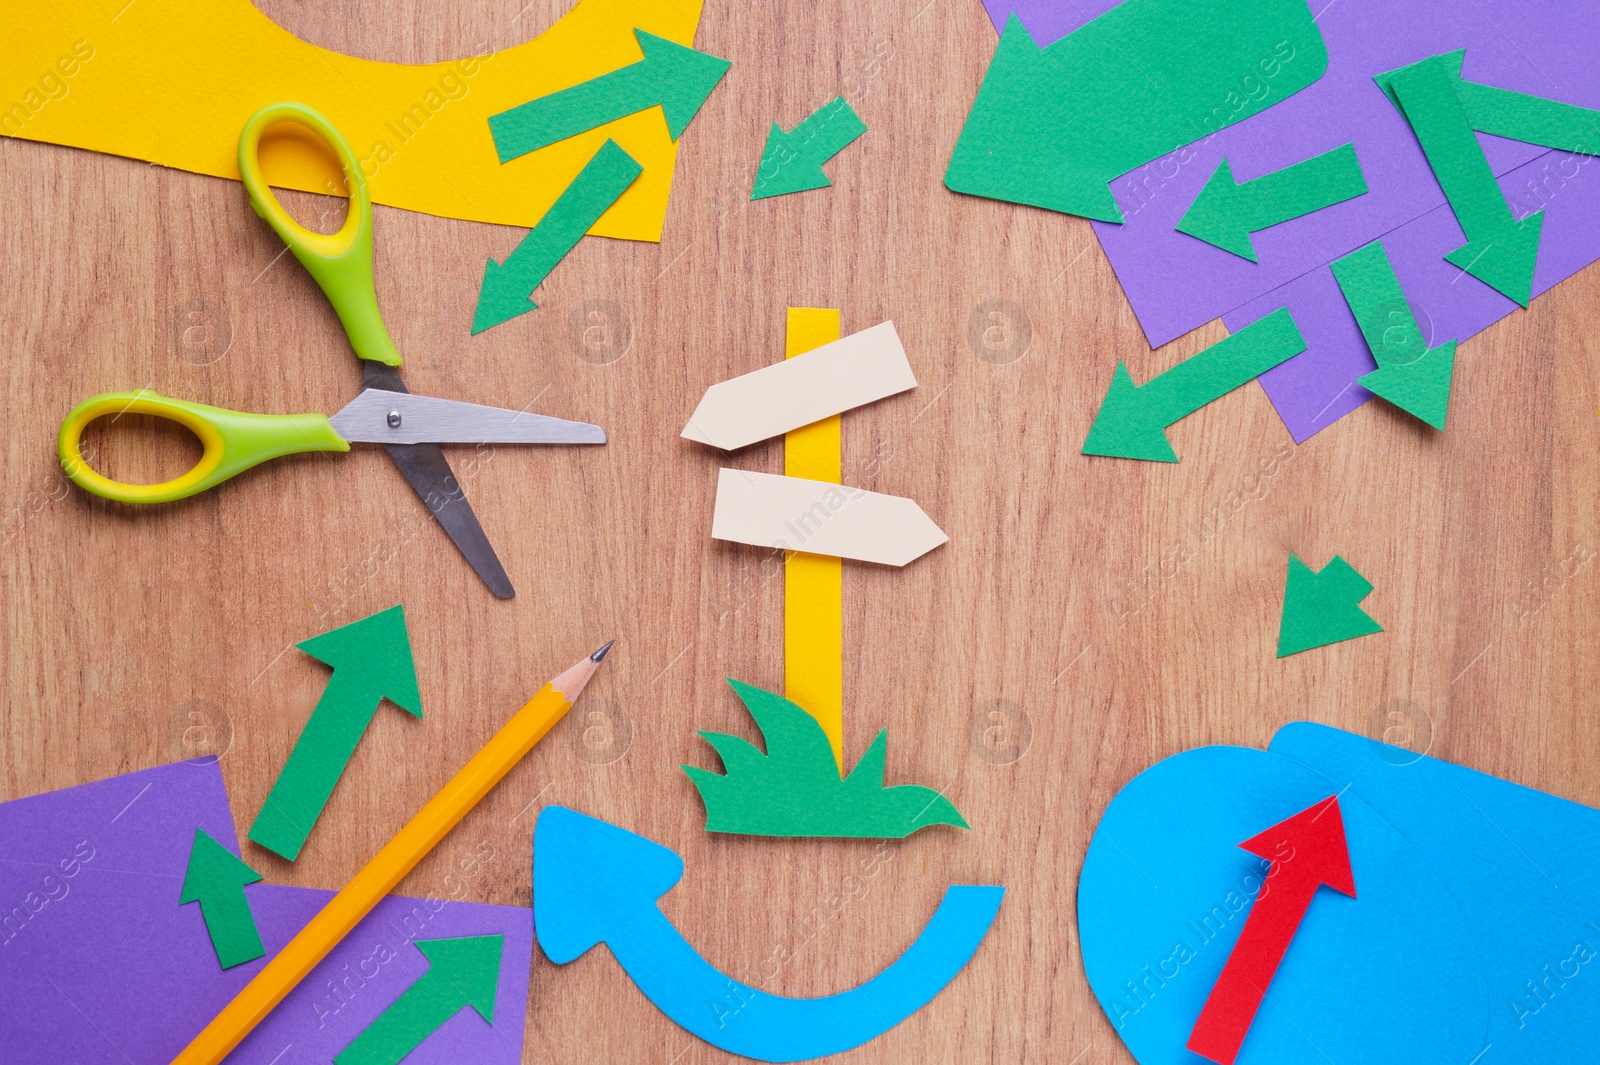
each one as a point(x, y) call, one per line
point(394, 419)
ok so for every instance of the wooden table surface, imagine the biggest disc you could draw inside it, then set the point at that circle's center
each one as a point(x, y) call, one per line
point(1088, 617)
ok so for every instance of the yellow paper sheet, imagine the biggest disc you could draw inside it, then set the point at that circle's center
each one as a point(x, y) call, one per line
point(173, 81)
point(813, 585)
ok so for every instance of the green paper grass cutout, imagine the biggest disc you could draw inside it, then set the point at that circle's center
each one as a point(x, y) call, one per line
point(1411, 375)
point(1323, 608)
point(794, 789)
point(215, 878)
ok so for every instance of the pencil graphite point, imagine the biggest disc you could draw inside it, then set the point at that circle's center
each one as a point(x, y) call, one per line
point(599, 656)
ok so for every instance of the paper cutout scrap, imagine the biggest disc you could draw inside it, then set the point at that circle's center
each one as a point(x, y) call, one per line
point(596, 883)
point(793, 514)
point(175, 84)
point(1227, 211)
point(827, 380)
point(813, 585)
point(1052, 127)
point(507, 288)
point(215, 878)
point(1501, 250)
point(1165, 893)
point(1411, 375)
point(461, 972)
point(1323, 607)
point(792, 162)
point(796, 788)
point(1305, 852)
point(371, 661)
point(1133, 419)
point(670, 75)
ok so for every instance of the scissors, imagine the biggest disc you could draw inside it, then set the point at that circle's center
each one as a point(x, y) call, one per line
point(409, 427)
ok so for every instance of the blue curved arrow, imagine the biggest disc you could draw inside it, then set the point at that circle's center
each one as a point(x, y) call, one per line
point(596, 883)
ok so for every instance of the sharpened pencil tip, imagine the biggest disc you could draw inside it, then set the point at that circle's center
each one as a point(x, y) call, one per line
point(601, 654)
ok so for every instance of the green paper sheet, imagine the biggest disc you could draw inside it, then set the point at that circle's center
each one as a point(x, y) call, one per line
point(1052, 127)
point(461, 972)
point(795, 789)
point(215, 879)
point(792, 162)
point(1226, 212)
point(1323, 608)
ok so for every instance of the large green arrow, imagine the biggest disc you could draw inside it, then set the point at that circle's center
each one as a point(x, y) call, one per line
point(371, 661)
point(1411, 375)
point(1227, 212)
point(461, 973)
point(1133, 419)
point(215, 879)
point(1322, 607)
point(507, 288)
point(677, 78)
point(1500, 251)
point(792, 162)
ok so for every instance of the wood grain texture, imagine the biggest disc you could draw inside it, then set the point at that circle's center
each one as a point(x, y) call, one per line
point(1128, 610)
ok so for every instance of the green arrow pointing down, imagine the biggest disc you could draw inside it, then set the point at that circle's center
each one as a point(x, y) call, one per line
point(677, 78)
point(1227, 212)
point(1411, 375)
point(792, 162)
point(371, 661)
point(1323, 608)
point(1500, 251)
point(507, 288)
point(1133, 419)
point(461, 973)
point(215, 879)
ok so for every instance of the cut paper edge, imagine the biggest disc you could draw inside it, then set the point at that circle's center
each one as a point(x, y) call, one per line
point(793, 514)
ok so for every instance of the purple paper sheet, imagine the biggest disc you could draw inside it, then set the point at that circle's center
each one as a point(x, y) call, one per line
point(99, 963)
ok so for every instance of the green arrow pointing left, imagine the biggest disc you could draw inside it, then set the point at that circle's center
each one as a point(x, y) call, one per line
point(1227, 212)
point(215, 879)
point(461, 973)
point(1133, 419)
point(792, 162)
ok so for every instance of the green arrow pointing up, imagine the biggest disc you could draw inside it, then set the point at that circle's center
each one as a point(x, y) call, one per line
point(215, 879)
point(1133, 419)
point(677, 78)
point(461, 973)
point(371, 661)
point(792, 162)
point(507, 288)
point(1227, 212)
point(1323, 608)
point(1500, 251)
point(1411, 375)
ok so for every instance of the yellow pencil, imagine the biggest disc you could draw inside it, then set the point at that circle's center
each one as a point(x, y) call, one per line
point(389, 866)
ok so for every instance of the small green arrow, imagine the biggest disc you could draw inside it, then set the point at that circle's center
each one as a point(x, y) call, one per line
point(215, 879)
point(1500, 251)
point(1411, 375)
point(1227, 212)
point(792, 162)
point(371, 661)
point(1133, 419)
point(677, 78)
point(1323, 608)
point(461, 972)
point(507, 288)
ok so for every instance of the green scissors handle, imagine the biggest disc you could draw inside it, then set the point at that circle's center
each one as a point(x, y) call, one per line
point(231, 442)
point(341, 262)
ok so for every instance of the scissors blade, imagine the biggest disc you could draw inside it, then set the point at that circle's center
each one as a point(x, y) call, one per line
point(379, 416)
point(428, 472)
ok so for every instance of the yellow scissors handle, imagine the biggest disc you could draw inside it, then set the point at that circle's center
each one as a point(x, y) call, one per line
point(232, 442)
point(341, 262)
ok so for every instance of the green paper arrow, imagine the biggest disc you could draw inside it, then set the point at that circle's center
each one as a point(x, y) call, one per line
point(677, 78)
point(1500, 251)
point(795, 789)
point(215, 879)
point(1227, 212)
point(792, 162)
point(371, 661)
point(1052, 127)
point(1133, 418)
point(507, 288)
point(1323, 608)
point(1411, 375)
point(461, 972)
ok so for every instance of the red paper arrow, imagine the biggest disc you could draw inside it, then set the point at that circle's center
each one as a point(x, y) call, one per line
point(1307, 851)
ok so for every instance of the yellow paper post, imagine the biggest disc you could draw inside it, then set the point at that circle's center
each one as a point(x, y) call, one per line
point(173, 82)
point(813, 585)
